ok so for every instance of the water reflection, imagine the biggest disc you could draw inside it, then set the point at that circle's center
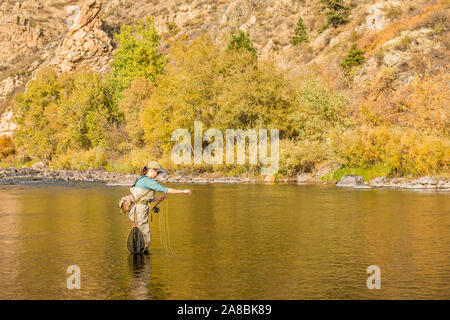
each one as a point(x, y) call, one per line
point(229, 242)
point(140, 268)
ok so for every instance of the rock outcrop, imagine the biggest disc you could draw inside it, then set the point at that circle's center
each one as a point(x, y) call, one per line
point(8, 85)
point(7, 126)
point(86, 45)
point(18, 34)
point(20, 39)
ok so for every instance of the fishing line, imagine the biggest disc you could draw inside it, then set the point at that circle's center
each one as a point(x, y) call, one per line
point(161, 236)
point(167, 230)
point(163, 228)
point(164, 231)
point(164, 222)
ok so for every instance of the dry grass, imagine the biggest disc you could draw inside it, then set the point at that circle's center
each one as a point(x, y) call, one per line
point(374, 40)
point(422, 105)
point(393, 12)
point(21, 66)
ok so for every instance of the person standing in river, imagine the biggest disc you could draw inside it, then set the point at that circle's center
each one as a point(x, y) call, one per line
point(144, 189)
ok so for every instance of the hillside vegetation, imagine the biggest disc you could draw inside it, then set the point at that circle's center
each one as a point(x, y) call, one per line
point(373, 103)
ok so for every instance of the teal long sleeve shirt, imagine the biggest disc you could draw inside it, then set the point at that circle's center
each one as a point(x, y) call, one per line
point(147, 183)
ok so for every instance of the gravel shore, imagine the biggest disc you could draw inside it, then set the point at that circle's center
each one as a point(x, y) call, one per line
point(11, 176)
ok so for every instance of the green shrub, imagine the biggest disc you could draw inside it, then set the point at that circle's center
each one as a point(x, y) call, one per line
point(132, 161)
point(355, 57)
point(137, 56)
point(323, 28)
point(135, 159)
point(241, 41)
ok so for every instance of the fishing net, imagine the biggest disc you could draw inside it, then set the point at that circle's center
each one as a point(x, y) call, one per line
point(135, 241)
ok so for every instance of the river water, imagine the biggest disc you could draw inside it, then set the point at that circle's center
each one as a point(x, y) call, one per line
point(229, 241)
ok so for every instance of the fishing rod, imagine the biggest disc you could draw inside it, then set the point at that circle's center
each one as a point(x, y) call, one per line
point(155, 208)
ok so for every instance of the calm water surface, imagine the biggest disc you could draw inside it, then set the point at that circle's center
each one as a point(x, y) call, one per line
point(228, 242)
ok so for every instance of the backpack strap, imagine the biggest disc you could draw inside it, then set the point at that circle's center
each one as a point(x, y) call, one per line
point(146, 193)
point(138, 199)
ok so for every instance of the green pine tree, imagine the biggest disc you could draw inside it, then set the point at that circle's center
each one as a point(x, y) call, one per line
point(299, 33)
point(355, 57)
point(241, 41)
point(336, 12)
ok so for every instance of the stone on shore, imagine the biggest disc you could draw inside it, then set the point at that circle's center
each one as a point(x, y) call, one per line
point(306, 178)
point(425, 180)
point(127, 180)
point(378, 182)
point(39, 165)
point(429, 183)
point(350, 180)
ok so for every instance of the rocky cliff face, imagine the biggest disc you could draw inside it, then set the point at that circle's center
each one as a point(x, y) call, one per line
point(20, 38)
point(19, 35)
point(86, 45)
point(25, 48)
point(399, 38)
point(34, 34)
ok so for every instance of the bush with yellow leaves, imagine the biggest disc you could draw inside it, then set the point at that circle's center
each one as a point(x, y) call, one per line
point(402, 151)
point(6, 147)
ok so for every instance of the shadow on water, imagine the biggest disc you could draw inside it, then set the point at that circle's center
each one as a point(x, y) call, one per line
point(139, 264)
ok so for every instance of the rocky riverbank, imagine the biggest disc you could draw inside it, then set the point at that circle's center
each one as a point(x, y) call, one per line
point(428, 183)
point(11, 176)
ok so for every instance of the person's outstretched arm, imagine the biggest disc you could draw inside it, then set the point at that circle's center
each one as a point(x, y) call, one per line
point(154, 185)
point(175, 191)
